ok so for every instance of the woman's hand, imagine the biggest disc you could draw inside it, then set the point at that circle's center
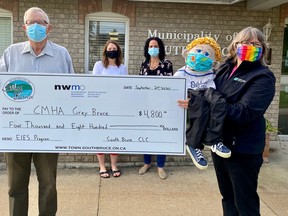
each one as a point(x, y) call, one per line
point(183, 103)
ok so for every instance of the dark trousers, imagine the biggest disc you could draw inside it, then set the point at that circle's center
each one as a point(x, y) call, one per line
point(159, 158)
point(237, 180)
point(206, 112)
point(19, 169)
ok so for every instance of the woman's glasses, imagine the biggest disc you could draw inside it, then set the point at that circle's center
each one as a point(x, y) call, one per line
point(248, 43)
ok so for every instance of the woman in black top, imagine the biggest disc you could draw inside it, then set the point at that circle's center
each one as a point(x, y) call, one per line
point(155, 64)
point(248, 86)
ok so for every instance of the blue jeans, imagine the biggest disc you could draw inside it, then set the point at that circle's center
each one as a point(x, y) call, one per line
point(159, 158)
point(237, 180)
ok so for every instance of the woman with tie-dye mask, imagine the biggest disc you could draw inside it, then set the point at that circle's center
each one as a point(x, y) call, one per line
point(248, 87)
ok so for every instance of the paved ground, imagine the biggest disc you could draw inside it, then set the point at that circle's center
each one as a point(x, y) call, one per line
point(186, 191)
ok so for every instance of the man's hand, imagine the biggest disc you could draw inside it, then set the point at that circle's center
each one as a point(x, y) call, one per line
point(183, 103)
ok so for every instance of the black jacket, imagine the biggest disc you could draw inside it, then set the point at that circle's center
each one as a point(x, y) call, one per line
point(206, 113)
point(248, 93)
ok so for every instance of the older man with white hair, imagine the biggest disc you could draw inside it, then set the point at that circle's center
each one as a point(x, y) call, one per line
point(37, 55)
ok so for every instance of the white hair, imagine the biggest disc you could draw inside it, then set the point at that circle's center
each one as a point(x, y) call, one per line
point(32, 9)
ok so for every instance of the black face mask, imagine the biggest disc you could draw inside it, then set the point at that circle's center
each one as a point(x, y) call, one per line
point(112, 54)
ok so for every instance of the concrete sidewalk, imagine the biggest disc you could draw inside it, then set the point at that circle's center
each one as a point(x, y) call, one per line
point(186, 191)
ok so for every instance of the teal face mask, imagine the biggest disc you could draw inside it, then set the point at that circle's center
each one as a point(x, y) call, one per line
point(154, 51)
point(199, 62)
point(36, 32)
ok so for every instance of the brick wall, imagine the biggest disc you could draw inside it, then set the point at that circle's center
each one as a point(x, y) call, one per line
point(67, 18)
point(217, 19)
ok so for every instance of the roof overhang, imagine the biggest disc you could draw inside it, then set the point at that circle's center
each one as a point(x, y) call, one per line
point(264, 4)
point(251, 4)
point(195, 1)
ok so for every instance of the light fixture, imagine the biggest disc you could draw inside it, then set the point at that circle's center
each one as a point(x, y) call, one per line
point(113, 34)
point(267, 30)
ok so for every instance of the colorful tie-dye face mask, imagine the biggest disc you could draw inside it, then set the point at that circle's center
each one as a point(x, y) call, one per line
point(249, 53)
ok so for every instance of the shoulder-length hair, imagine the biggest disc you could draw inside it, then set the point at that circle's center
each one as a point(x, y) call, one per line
point(161, 48)
point(246, 35)
point(118, 60)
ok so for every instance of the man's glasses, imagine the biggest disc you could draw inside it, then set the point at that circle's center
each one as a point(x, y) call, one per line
point(40, 22)
point(248, 43)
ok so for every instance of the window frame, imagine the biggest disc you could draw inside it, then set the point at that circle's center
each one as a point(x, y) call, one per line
point(107, 17)
point(5, 14)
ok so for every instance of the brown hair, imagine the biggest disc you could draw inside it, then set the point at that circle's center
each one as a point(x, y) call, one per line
point(118, 60)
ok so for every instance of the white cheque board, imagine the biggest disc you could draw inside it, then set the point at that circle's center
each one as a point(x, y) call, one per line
point(87, 114)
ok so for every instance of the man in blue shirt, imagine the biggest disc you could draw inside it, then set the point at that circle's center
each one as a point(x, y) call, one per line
point(37, 55)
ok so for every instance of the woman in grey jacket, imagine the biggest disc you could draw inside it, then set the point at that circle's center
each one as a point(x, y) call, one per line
point(248, 87)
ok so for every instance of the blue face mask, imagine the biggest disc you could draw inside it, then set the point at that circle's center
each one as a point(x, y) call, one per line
point(154, 51)
point(36, 32)
point(199, 62)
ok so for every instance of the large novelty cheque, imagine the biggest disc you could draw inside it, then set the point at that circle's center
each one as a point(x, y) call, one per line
point(88, 114)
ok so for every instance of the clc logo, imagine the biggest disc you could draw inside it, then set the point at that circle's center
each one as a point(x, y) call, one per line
point(18, 89)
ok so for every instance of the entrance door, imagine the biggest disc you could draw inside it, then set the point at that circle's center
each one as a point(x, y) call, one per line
point(283, 105)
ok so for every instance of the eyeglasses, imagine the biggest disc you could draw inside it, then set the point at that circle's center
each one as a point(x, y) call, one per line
point(248, 43)
point(40, 22)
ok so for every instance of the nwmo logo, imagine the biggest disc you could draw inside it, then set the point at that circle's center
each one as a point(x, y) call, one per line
point(69, 87)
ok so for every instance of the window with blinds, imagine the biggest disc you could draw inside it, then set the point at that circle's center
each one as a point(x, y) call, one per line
point(101, 28)
point(5, 33)
point(99, 33)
